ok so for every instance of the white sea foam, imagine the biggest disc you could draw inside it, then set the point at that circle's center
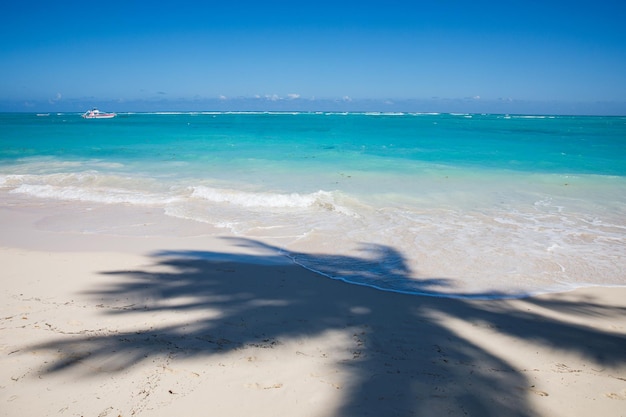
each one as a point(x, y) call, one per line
point(88, 186)
point(103, 195)
point(463, 248)
point(321, 199)
point(377, 113)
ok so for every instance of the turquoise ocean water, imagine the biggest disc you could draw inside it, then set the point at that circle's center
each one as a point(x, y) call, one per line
point(441, 204)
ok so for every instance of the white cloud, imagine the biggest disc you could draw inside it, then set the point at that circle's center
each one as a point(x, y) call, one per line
point(56, 98)
point(293, 96)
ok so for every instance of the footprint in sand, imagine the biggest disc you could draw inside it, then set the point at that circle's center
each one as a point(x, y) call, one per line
point(263, 386)
point(616, 396)
point(534, 391)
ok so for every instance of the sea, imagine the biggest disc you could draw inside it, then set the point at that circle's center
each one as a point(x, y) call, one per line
point(448, 205)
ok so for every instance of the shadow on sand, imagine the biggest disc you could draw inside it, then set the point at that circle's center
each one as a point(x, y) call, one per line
point(400, 359)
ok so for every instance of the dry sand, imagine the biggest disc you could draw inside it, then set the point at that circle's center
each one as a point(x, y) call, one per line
point(175, 321)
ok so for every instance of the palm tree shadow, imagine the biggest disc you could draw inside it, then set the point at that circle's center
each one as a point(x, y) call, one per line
point(400, 358)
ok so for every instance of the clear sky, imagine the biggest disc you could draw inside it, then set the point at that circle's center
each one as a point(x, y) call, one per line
point(501, 56)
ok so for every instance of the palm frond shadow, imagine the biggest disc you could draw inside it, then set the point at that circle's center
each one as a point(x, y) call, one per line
point(246, 302)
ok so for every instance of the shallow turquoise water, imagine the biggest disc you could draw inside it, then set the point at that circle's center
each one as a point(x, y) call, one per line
point(489, 205)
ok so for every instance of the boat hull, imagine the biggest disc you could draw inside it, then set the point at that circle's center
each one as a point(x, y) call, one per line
point(99, 116)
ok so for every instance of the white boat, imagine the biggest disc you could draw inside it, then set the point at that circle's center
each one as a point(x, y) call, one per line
point(97, 114)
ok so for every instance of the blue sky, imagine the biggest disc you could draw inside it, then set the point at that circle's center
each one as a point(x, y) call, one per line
point(496, 56)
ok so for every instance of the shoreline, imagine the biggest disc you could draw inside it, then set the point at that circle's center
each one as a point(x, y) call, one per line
point(493, 207)
point(177, 320)
point(58, 225)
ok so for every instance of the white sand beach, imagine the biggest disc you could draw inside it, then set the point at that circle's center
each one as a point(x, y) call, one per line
point(175, 321)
